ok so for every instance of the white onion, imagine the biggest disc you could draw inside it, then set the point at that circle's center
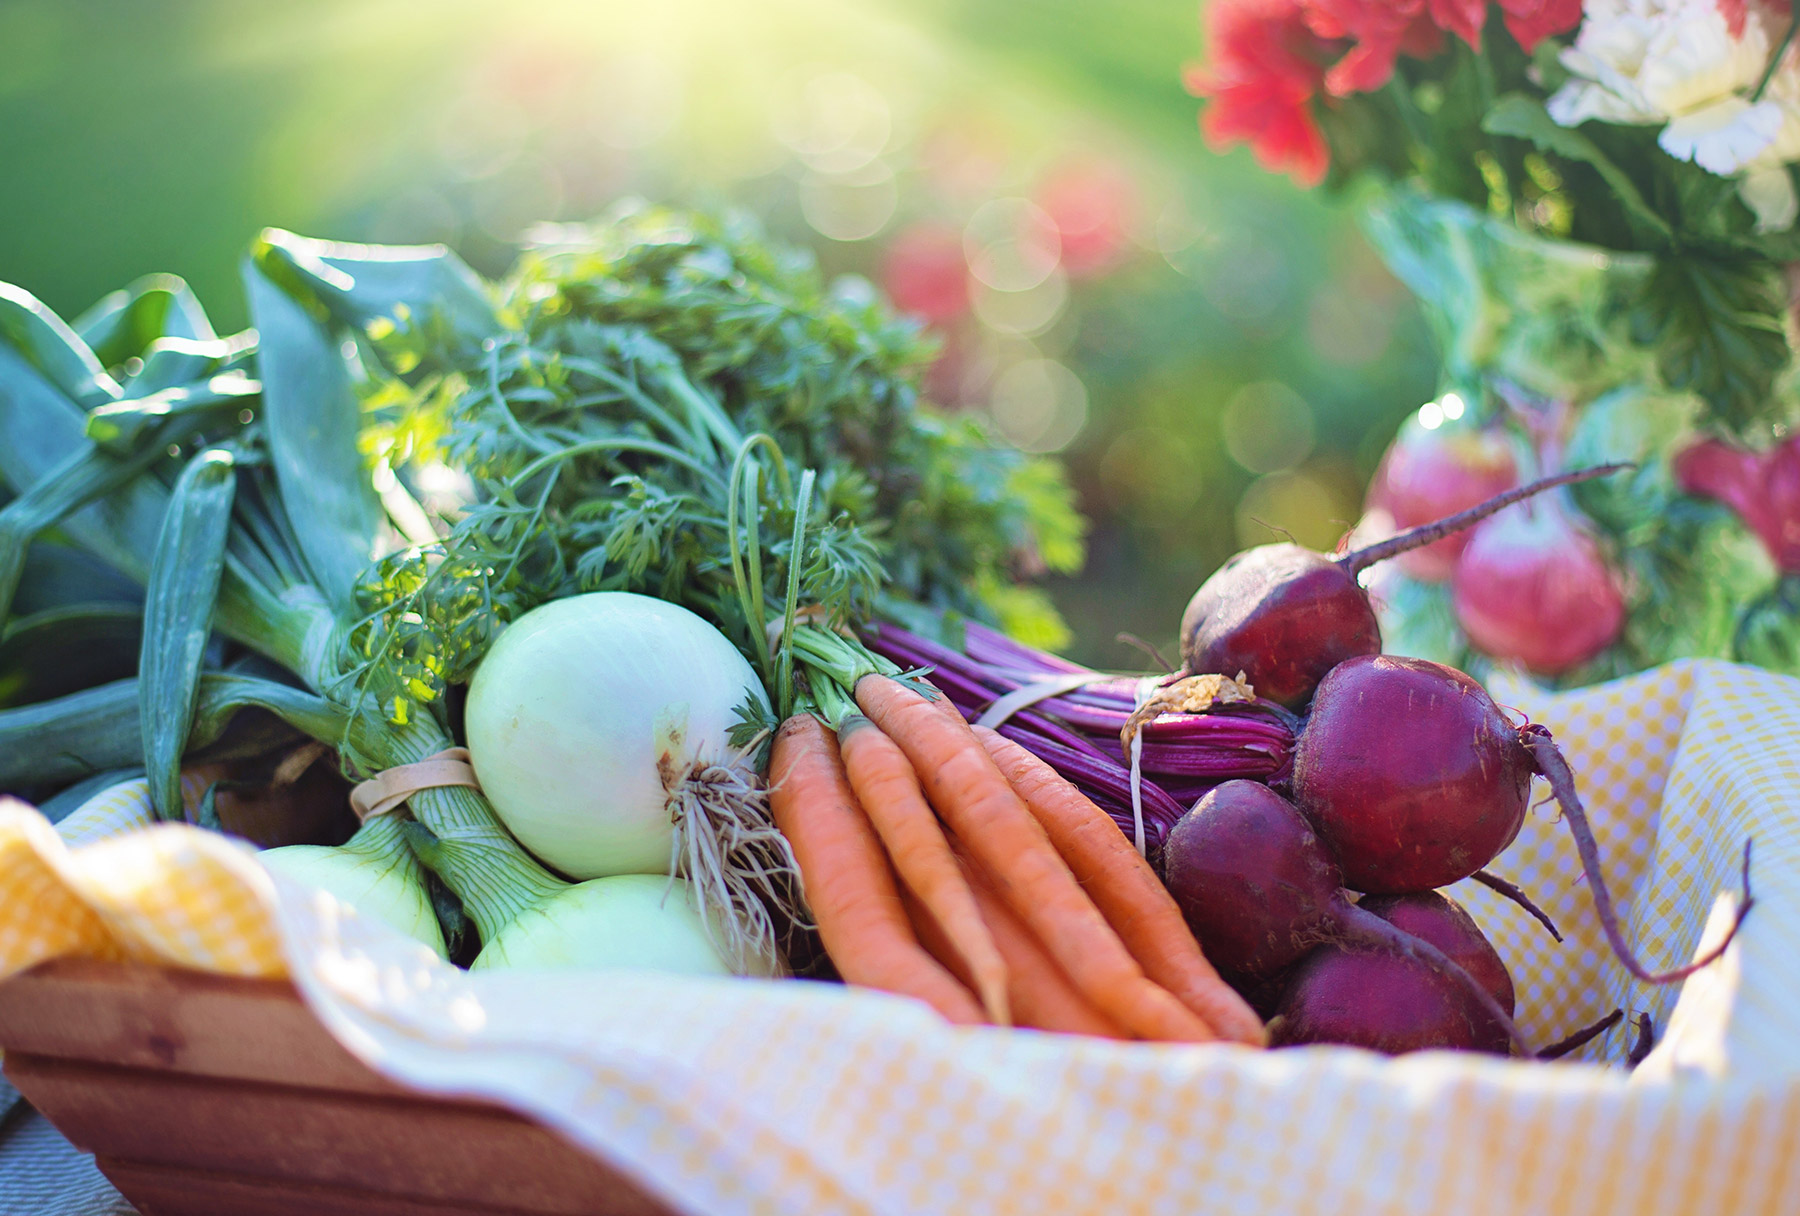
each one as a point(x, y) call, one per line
point(386, 887)
point(643, 922)
point(580, 712)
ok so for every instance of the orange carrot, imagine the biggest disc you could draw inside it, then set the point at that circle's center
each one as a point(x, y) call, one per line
point(974, 799)
point(1125, 889)
point(888, 790)
point(848, 883)
point(1041, 995)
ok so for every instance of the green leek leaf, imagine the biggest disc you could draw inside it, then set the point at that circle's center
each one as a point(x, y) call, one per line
point(311, 417)
point(124, 323)
point(68, 648)
point(49, 345)
point(178, 614)
point(40, 430)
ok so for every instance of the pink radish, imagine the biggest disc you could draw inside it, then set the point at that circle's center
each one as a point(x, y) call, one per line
point(1429, 473)
point(1533, 588)
point(1763, 488)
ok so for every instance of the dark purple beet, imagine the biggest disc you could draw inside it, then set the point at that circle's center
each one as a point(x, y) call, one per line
point(1410, 773)
point(1434, 917)
point(1281, 614)
point(1260, 891)
point(1255, 883)
point(1285, 615)
point(1386, 1002)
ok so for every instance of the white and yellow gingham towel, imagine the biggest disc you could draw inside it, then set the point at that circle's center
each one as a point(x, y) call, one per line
point(739, 1096)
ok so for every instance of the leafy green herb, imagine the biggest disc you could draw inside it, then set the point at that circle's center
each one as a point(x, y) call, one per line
point(640, 421)
point(1717, 327)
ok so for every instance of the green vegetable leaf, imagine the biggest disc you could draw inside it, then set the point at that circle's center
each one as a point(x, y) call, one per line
point(178, 614)
point(311, 418)
point(53, 348)
point(124, 323)
point(1717, 327)
point(40, 430)
point(1524, 117)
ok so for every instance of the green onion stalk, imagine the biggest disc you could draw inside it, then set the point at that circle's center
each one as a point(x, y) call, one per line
point(302, 507)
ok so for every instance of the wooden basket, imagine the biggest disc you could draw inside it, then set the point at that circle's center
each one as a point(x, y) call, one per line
point(205, 1095)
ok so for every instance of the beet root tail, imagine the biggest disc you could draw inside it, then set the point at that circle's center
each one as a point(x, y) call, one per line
point(1494, 882)
point(1646, 1040)
point(1354, 563)
point(1550, 764)
point(1581, 1038)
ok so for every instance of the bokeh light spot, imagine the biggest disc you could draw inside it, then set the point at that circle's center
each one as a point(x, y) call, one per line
point(1267, 427)
point(1025, 313)
point(1012, 244)
point(1039, 404)
point(838, 123)
point(849, 206)
point(1293, 503)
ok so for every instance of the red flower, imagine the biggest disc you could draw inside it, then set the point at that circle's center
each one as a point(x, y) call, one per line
point(1267, 67)
point(1532, 21)
point(1383, 30)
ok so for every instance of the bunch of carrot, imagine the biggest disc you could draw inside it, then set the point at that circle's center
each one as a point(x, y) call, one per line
point(946, 863)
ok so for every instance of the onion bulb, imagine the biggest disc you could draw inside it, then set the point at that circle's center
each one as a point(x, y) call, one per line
point(374, 872)
point(1532, 587)
point(645, 922)
point(599, 727)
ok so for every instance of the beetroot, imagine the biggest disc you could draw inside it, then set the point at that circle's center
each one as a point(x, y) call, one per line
point(1434, 917)
point(1259, 890)
point(1386, 1002)
point(1284, 615)
point(1281, 614)
point(1555, 769)
point(1255, 883)
point(1410, 773)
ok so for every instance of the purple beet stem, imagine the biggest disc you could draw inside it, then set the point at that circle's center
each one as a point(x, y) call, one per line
point(1555, 769)
point(1076, 733)
point(1417, 538)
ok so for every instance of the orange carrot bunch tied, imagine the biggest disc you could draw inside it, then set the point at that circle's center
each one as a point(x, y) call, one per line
point(948, 864)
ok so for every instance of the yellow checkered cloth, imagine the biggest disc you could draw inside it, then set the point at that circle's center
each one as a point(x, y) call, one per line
point(741, 1096)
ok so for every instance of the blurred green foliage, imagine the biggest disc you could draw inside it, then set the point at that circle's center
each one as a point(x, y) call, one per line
point(1241, 356)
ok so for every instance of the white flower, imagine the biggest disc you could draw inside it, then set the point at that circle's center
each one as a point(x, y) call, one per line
point(1676, 63)
point(1726, 136)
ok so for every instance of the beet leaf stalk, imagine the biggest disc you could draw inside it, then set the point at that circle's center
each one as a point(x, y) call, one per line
point(1076, 730)
point(1355, 562)
point(1551, 765)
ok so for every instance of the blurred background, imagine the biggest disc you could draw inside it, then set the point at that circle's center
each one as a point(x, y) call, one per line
point(1214, 353)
